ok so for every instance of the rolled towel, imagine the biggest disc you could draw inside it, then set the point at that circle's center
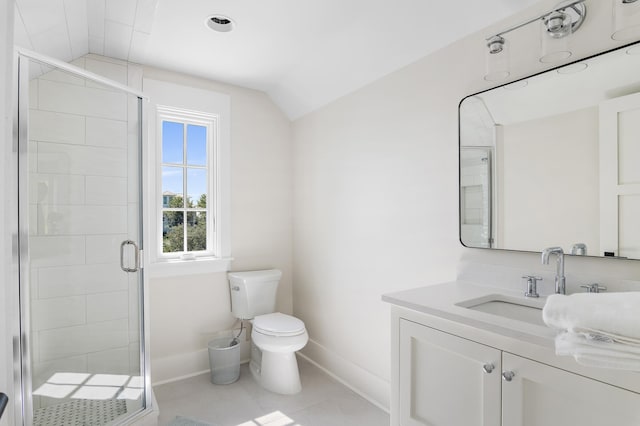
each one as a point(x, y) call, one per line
point(613, 315)
point(596, 352)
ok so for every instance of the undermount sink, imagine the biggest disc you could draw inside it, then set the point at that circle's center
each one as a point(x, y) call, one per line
point(514, 308)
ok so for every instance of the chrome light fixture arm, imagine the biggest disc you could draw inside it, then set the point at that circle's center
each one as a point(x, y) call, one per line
point(553, 19)
point(561, 21)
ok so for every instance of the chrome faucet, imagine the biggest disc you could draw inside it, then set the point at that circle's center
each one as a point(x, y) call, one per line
point(579, 249)
point(560, 280)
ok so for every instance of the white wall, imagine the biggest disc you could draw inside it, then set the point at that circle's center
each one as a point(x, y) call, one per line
point(6, 67)
point(533, 154)
point(186, 312)
point(375, 201)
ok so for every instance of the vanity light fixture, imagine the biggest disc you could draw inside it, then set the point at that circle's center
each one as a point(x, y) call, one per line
point(554, 40)
point(497, 59)
point(556, 25)
point(626, 20)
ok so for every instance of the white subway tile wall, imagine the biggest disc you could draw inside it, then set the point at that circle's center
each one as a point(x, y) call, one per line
point(107, 306)
point(106, 133)
point(72, 99)
point(81, 160)
point(83, 204)
point(49, 126)
point(107, 190)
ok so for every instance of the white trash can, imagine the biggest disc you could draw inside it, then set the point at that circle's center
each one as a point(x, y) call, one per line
point(224, 360)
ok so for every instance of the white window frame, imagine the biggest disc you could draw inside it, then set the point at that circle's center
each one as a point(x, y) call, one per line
point(210, 122)
point(201, 107)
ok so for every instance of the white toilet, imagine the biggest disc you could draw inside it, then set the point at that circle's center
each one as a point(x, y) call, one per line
point(275, 336)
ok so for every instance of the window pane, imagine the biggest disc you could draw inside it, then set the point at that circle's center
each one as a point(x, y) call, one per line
point(197, 187)
point(196, 145)
point(172, 232)
point(172, 185)
point(196, 231)
point(172, 142)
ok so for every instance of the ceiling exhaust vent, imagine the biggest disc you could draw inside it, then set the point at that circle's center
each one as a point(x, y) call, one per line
point(220, 23)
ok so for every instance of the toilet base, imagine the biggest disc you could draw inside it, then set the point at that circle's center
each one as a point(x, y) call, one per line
point(277, 372)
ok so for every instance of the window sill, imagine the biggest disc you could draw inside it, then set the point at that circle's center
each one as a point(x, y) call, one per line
point(179, 267)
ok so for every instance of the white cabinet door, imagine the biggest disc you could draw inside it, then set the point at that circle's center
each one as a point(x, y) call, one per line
point(443, 381)
point(620, 176)
point(540, 395)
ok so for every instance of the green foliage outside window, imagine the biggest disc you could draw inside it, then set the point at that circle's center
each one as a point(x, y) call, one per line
point(173, 225)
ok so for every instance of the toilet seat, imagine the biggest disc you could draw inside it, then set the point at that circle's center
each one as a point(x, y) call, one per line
point(278, 324)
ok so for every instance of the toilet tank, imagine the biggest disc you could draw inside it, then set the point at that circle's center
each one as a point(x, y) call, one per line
point(253, 293)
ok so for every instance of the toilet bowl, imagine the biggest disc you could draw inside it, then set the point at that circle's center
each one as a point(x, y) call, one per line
point(275, 336)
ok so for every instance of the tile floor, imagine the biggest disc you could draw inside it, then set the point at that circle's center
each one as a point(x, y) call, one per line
point(322, 402)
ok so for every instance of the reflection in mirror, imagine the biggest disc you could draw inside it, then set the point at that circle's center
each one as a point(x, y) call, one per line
point(475, 196)
point(552, 160)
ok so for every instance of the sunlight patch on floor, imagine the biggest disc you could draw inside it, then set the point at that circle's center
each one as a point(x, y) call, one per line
point(88, 386)
point(276, 418)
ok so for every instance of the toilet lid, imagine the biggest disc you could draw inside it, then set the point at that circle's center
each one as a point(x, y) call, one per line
point(278, 324)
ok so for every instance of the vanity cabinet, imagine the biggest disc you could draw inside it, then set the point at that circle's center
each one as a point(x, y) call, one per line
point(446, 380)
point(541, 395)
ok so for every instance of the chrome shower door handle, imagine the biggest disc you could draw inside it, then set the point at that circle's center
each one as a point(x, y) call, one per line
point(136, 252)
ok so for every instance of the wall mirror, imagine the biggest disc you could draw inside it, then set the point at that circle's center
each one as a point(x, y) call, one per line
point(554, 160)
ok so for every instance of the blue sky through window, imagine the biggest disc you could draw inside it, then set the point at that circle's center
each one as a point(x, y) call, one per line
point(172, 139)
point(173, 152)
point(172, 179)
point(196, 145)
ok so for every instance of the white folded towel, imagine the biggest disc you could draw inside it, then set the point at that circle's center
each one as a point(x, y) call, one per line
point(598, 330)
point(615, 315)
point(595, 352)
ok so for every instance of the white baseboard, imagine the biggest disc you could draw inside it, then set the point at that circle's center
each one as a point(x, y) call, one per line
point(179, 366)
point(364, 383)
point(182, 366)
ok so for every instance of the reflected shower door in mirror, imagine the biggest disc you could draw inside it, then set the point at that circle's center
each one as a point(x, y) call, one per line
point(476, 196)
point(562, 151)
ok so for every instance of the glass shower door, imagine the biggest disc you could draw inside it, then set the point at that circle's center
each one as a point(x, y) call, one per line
point(81, 286)
point(476, 196)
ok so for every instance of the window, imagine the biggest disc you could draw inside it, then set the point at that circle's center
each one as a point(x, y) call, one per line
point(189, 174)
point(187, 142)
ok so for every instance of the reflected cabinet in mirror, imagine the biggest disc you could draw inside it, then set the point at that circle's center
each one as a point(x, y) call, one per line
point(554, 160)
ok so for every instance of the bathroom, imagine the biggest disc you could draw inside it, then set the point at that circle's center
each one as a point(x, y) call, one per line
point(352, 199)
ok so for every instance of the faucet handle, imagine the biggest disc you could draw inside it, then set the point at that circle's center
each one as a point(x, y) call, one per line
point(532, 285)
point(594, 288)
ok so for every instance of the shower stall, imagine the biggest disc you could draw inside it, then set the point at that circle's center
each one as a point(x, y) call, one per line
point(81, 357)
point(476, 196)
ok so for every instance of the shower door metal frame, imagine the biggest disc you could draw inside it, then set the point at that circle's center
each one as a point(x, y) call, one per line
point(22, 327)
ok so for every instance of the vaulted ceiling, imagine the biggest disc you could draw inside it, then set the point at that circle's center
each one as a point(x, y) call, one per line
point(302, 53)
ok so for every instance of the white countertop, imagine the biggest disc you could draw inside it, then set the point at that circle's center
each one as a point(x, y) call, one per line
point(442, 306)
point(444, 300)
